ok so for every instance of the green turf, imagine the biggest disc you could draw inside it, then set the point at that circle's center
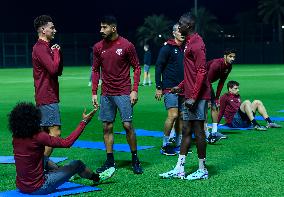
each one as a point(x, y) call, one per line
point(249, 163)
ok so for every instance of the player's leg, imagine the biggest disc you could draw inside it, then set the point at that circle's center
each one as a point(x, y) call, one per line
point(126, 111)
point(107, 116)
point(178, 171)
point(257, 105)
point(214, 115)
point(50, 121)
point(246, 108)
point(63, 174)
point(171, 104)
point(146, 68)
point(179, 124)
point(149, 77)
point(197, 117)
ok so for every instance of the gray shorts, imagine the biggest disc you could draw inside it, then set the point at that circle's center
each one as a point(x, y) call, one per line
point(173, 101)
point(146, 68)
point(58, 177)
point(50, 115)
point(110, 104)
point(199, 113)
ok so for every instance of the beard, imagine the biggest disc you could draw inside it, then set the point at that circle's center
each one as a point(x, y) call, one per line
point(106, 36)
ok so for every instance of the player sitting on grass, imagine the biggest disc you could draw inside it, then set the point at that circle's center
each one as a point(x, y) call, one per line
point(29, 143)
point(241, 114)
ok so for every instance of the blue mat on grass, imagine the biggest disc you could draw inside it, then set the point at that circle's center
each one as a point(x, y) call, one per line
point(67, 188)
point(101, 146)
point(224, 127)
point(273, 118)
point(142, 132)
point(10, 159)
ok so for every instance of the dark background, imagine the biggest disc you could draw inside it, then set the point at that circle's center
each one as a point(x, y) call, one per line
point(77, 25)
point(83, 16)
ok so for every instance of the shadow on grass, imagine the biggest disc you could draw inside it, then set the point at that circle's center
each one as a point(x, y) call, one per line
point(128, 165)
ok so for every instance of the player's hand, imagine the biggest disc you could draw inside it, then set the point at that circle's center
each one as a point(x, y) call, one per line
point(159, 94)
point(209, 104)
point(190, 104)
point(176, 90)
point(133, 98)
point(95, 101)
point(88, 117)
point(55, 46)
point(217, 101)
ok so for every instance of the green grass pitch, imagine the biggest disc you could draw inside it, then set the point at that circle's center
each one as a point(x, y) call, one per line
point(249, 163)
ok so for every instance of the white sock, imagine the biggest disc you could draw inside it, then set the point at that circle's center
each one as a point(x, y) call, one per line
point(202, 164)
point(180, 163)
point(165, 140)
point(214, 127)
point(144, 81)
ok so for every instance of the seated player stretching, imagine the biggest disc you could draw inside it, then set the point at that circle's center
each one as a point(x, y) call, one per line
point(29, 142)
point(241, 114)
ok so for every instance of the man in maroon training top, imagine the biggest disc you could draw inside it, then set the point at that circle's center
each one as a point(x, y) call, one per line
point(241, 114)
point(218, 69)
point(47, 66)
point(115, 55)
point(197, 94)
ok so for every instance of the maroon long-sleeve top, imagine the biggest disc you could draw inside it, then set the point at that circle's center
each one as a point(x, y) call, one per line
point(29, 152)
point(115, 59)
point(218, 70)
point(195, 84)
point(229, 105)
point(47, 66)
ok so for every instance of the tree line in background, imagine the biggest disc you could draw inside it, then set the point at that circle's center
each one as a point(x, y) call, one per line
point(262, 24)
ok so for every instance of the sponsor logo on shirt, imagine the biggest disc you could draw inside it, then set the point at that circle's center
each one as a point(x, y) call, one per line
point(176, 51)
point(118, 51)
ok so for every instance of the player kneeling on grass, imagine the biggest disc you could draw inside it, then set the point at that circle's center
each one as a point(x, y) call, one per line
point(29, 142)
point(241, 114)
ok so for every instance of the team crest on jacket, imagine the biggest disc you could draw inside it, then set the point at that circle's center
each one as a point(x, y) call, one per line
point(118, 51)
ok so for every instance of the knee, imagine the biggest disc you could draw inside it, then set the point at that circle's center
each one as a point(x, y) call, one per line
point(257, 102)
point(127, 126)
point(107, 127)
point(185, 131)
point(173, 116)
point(78, 164)
point(247, 102)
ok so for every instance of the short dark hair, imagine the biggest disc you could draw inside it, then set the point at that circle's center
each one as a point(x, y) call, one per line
point(231, 84)
point(175, 27)
point(41, 21)
point(229, 51)
point(109, 20)
point(24, 120)
point(190, 19)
